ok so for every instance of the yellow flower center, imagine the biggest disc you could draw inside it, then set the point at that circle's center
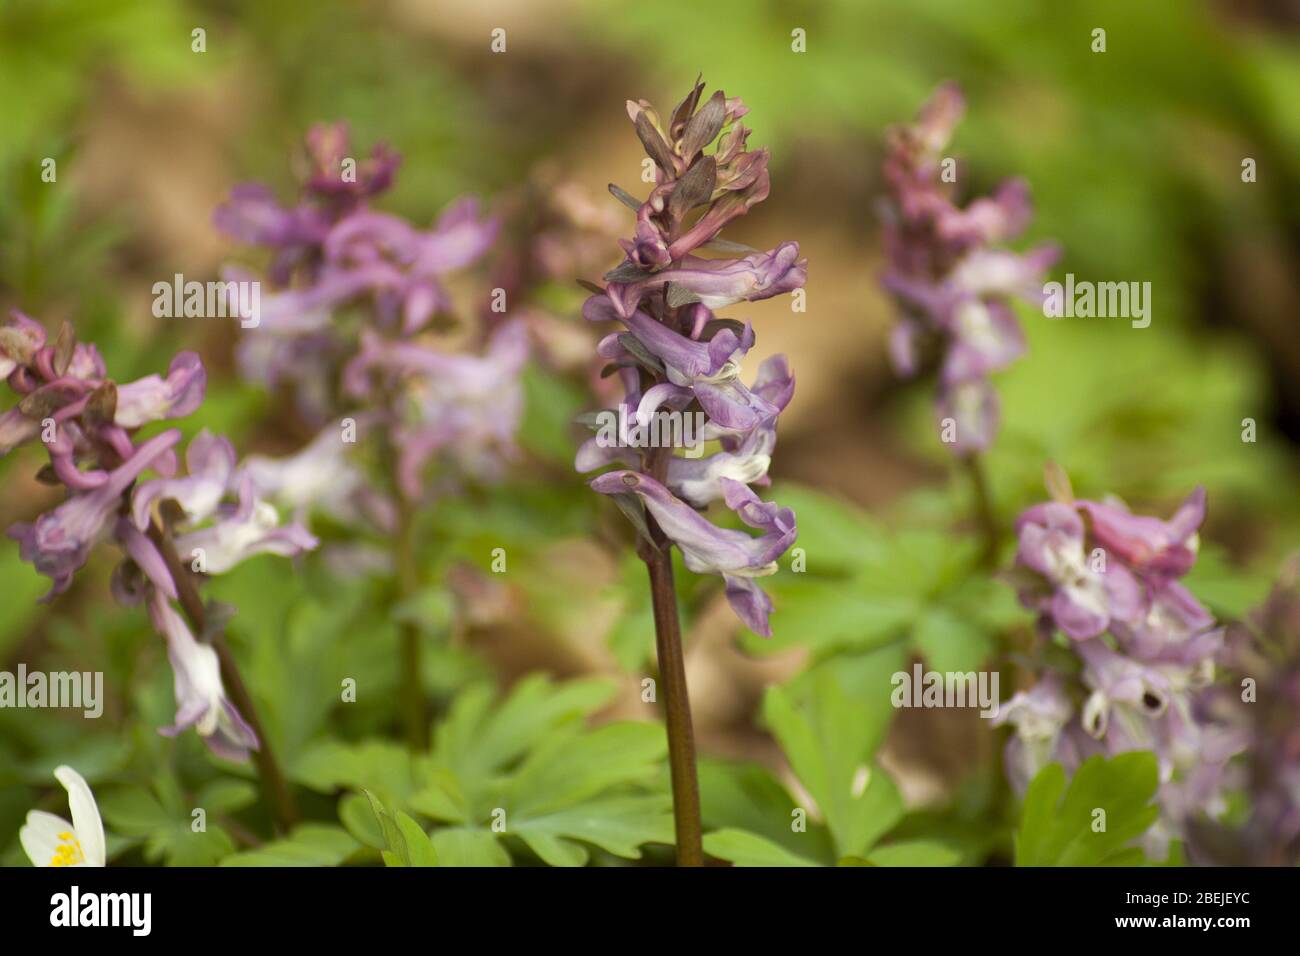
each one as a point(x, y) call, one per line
point(69, 851)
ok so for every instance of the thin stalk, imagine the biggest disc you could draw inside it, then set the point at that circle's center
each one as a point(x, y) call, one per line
point(275, 789)
point(672, 679)
point(984, 514)
point(414, 713)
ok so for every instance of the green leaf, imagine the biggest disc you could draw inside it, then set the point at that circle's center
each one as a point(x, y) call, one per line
point(476, 740)
point(951, 643)
point(226, 795)
point(830, 743)
point(419, 848)
point(914, 853)
point(749, 849)
point(617, 824)
point(465, 846)
point(571, 768)
point(312, 844)
point(1066, 831)
point(166, 834)
point(395, 850)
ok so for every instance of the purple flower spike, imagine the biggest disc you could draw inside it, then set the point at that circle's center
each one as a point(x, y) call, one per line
point(677, 356)
point(1146, 652)
point(950, 276)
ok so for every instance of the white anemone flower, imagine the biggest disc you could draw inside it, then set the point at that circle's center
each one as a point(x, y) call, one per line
point(50, 840)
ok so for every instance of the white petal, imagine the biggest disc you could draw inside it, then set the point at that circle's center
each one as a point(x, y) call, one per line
point(85, 815)
point(40, 836)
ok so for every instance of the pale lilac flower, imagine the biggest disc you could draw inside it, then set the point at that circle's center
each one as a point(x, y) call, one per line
point(1264, 648)
point(239, 531)
point(717, 283)
point(200, 695)
point(155, 398)
point(321, 475)
point(1039, 716)
point(210, 460)
point(708, 549)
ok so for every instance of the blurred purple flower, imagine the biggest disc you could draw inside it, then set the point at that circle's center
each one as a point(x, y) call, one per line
point(200, 695)
point(1145, 647)
point(949, 276)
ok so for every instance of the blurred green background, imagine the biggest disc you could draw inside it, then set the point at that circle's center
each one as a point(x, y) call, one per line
point(1134, 156)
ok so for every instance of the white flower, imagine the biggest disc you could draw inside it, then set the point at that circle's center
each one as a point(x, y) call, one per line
point(49, 840)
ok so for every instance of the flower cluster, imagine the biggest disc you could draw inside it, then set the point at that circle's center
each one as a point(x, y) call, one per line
point(87, 423)
point(350, 329)
point(1142, 650)
point(675, 358)
point(1263, 654)
point(951, 275)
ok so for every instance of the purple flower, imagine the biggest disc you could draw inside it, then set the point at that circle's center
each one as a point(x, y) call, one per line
point(254, 217)
point(200, 695)
point(718, 283)
point(708, 549)
point(354, 326)
point(676, 356)
point(328, 148)
point(949, 275)
point(706, 371)
point(59, 541)
point(152, 398)
point(469, 406)
point(240, 531)
point(1149, 545)
point(210, 460)
point(1143, 685)
point(1064, 583)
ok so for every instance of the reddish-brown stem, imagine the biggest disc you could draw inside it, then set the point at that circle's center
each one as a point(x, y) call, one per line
point(672, 679)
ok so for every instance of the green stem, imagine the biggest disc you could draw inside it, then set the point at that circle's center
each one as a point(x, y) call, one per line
point(985, 516)
point(414, 713)
point(275, 787)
